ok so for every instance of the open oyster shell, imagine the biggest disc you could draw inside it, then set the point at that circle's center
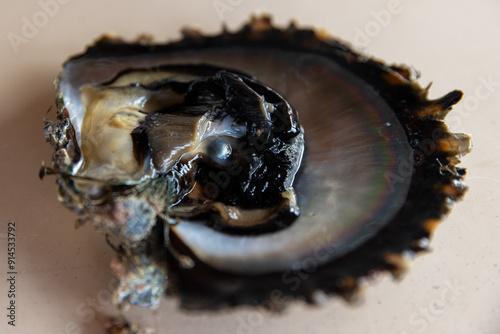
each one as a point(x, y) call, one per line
point(247, 167)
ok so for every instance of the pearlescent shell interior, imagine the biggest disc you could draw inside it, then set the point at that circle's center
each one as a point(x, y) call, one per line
point(354, 143)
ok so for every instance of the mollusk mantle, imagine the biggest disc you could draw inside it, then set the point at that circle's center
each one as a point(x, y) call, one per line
point(251, 167)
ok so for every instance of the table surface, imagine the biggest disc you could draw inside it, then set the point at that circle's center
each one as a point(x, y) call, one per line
point(63, 275)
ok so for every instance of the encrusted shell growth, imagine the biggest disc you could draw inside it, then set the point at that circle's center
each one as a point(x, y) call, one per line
point(251, 167)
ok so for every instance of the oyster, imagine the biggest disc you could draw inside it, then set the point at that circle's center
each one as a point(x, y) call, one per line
point(235, 168)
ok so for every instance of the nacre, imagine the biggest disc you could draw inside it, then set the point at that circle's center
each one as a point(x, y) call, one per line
point(253, 166)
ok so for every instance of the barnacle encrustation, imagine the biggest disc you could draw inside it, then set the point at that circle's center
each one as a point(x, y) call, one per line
point(251, 163)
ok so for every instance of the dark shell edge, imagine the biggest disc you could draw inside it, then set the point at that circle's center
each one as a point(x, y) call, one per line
point(437, 182)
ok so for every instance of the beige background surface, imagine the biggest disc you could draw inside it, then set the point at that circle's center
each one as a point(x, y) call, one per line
point(63, 273)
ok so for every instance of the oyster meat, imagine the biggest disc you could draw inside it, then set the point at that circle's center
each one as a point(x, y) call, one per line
point(235, 168)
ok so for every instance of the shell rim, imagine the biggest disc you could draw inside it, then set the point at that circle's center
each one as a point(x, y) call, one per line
point(437, 181)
